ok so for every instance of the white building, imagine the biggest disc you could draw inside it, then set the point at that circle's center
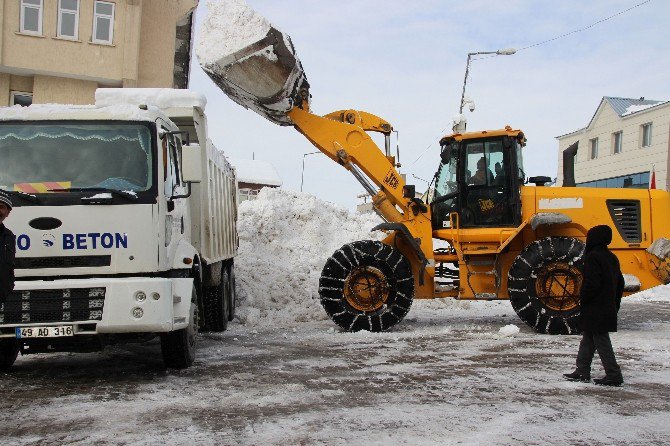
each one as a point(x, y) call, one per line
point(624, 140)
point(252, 176)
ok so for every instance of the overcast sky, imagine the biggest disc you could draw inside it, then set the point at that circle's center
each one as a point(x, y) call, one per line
point(405, 62)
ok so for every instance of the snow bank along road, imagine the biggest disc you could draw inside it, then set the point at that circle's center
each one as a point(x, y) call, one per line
point(451, 373)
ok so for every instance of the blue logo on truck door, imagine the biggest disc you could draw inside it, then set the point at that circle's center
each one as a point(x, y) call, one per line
point(81, 241)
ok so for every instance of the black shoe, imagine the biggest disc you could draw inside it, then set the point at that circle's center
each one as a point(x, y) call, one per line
point(576, 376)
point(608, 382)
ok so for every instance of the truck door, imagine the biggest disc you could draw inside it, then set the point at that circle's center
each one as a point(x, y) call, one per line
point(173, 189)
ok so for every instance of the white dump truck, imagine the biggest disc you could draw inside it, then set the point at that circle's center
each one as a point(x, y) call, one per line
point(125, 222)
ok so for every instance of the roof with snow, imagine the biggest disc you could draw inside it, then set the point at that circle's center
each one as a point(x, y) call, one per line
point(256, 172)
point(623, 107)
point(628, 106)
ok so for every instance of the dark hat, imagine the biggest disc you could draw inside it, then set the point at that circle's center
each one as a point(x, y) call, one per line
point(4, 198)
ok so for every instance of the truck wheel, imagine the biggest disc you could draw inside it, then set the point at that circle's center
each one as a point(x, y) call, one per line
point(9, 350)
point(544, 283)
point(232, 303)
point(178, 347)
point(216, 301)
point(366, 285)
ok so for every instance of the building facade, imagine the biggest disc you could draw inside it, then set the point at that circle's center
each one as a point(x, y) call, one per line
point(60, 51)
point(624, 141)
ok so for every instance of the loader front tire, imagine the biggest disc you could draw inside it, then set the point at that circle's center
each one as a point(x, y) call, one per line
point(366, 285)
point(544, 283)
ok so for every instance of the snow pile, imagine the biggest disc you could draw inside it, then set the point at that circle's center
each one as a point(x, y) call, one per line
point(229, 26)
point(285, 239)
point(659, 293)
point(509, 330)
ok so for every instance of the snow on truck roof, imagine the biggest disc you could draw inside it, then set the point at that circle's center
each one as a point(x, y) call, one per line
point(162, 98)
point(53, 112)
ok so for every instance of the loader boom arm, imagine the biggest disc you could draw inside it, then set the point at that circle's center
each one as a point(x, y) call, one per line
point(343, 137)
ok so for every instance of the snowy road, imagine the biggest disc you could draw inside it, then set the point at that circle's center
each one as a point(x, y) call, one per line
point(444, 376)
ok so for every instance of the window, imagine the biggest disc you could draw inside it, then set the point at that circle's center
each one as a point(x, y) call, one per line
point(646, 134)
point(20, 98)
point(103, 22)
point(68, 19)
point(31, 17)
point(593, 148)
point(616, 142)
point(632, 181)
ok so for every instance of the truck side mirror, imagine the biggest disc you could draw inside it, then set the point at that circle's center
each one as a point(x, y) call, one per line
point(191, 163)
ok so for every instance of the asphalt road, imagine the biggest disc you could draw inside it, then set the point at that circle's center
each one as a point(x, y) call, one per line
point(441, 377)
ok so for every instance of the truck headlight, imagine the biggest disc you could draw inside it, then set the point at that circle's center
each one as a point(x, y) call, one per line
point(140, 296)
point(155, 296)
point(138, 312)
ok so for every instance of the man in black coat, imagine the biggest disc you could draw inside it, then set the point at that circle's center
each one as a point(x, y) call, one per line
point(7, 249)
point(600, 299)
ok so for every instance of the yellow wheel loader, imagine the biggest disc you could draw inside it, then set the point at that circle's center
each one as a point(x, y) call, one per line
point(508, 239)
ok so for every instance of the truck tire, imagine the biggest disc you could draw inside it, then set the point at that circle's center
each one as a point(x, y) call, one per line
point(366, 285)
point(215, 302)
point(178, 347)
point(9, 350)
point(232, 302)
point(544, 283)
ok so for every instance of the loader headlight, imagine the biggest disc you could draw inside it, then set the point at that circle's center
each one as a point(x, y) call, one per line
point(138, 312)
point(140, 296)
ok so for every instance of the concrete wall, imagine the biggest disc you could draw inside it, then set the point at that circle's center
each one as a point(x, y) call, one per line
point(633, 158)
point(141, 53)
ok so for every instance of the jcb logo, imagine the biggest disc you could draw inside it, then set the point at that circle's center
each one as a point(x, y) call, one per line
point(392, 180)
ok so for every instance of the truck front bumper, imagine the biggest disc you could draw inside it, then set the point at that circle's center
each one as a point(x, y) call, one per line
point(99, 305)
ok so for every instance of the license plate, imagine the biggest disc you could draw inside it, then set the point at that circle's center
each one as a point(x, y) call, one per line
point(45, 332)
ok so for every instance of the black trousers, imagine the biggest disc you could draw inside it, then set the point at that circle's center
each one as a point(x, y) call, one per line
point(600, 342)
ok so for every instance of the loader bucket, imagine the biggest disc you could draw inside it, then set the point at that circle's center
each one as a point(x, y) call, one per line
point(265, 76)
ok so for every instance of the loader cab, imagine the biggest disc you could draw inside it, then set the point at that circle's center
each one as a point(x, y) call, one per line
point(479, 178)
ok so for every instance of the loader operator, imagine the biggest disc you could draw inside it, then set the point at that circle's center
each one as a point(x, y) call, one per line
point(483, 176)
point(7, 250)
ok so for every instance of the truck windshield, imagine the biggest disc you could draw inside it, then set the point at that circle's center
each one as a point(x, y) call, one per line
point(40, 156)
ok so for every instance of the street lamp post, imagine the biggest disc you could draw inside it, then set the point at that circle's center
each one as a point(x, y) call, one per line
point(501, 52)
point(302, 174)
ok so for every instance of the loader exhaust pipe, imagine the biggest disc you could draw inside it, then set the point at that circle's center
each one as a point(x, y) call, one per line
point(569, 165)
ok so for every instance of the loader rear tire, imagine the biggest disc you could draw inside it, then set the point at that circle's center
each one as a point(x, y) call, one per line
point(544, 283)
point(367, 285)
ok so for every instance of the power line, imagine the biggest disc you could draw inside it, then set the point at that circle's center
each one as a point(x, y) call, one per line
point(586, 27)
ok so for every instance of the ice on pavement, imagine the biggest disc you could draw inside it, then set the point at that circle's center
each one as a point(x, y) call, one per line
point(229, 26)
point(509, 330)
